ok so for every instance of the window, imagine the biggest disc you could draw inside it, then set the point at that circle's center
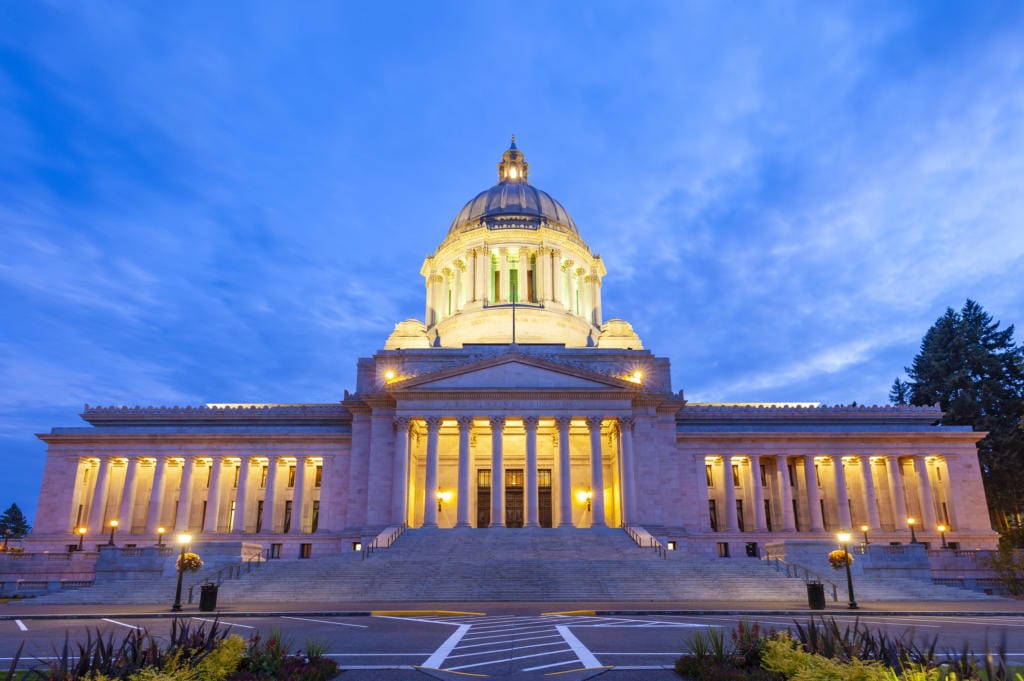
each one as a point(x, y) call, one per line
point(231, 516)
point(723, 549)
point(670, 546)
point(792, 474)
point(315, 520)
point(287, 516)
point(291, 476)
point(824, 518)
point(739, 515)
point(357, 546)
point(531, 295)
point(238, 472)
point(85, 475)
point(764, 476)
point(768, 514)
point(938, 474)
point(78, 519)
point(514, 477)
point(513, 286)
point(483, 477)
point(275, 550)
point(945, 514)
point(209, 475)
point(263, 476)
point(709, 475)
point(796, 516)
point(817, 474)
point(544, 477)
point(318, 476)
point(735, 475)
point(713, 515)
point(259, 515)
point(305, 550)
point(202, 521)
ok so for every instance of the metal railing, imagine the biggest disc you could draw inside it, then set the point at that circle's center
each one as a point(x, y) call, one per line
point(647, 542)
point(793, 570)
point(384, 542)
point(236, 570)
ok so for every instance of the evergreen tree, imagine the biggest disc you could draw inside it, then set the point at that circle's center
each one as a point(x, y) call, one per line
point(899, 393)
point(14, 522)
point(975, 372)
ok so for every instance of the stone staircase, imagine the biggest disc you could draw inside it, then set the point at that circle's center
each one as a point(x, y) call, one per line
point(498, 564)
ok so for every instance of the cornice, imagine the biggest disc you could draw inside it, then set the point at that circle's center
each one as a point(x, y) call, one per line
point(180, 438)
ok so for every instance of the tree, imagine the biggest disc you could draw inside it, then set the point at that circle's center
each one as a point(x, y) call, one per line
point(975, 373)
point(14, 522)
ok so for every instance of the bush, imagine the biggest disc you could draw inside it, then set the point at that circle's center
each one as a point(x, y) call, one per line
point(712, 656)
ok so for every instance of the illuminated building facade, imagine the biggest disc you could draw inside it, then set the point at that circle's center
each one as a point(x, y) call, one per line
point(514, 403)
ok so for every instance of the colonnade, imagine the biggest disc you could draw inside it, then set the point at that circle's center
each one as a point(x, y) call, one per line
point(284, 499)
point(496, 425)
point(485, 275)
point(797, 504)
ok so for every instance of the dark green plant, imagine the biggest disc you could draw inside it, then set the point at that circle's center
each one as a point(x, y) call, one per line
point(824, 636)
point(14, 523)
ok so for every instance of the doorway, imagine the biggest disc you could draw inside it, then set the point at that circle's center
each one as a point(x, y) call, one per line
point(514, 497)
point(544, 496)
point(483, 497)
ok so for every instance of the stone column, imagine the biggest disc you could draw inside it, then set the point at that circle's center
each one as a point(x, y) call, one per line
point(564, 473)
point(483, 271)
point(813, 497)
point(457, 270)
point(502, 294)
point(532, 507)
point(124, 513)
point(899, 502)
point(760, 523)
point(626, 424)
point(924, 487)
point(596, 471)
point(465, 466)
point(298, 494)
point(731, 521)
point(269, 497)
point(430, 488)
point(497, 472)
point(185, 495)
point(540, 286)
point(597, 300)
point(524, 265)
point(428, 315)
point(700, 473)
point(786, 493)
point(556, 276)
point(400, 472)
point(842, 494)
point(870, 496)
point(213, 498)
point(156, 497)
point(99, 498)
point(240, 496)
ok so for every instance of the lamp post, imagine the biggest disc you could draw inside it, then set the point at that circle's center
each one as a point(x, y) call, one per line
point(584, 496)
point(844, 539)
point(442, 498)
point(81, 537)
point(942, 533)
point(864, 529)
point(160, 536)
point(913, 535)
point(183, 539)
point(113, 526)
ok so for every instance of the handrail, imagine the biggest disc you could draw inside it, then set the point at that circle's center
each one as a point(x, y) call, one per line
point(646, 543)
point(383, 543)
point(235, 570)
point(793, 570)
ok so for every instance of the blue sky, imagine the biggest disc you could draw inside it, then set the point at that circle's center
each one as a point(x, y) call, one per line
point(217, 202)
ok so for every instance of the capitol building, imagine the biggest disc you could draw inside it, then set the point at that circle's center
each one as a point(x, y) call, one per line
point(517, 401)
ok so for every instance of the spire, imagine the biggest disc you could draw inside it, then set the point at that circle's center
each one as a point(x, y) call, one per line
point(513, 166)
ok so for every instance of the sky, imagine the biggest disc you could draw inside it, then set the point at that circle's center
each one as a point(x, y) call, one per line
point(230, 202)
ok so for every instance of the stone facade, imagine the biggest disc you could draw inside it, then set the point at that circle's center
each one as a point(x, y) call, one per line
point(512, 404)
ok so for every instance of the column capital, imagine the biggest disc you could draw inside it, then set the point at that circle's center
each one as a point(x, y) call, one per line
point(627, 422)
point(433, 423)
point(401, 422)
point(531, 422)
point(497, 422)
point(563, 422)
point(594, 422)
point(465, 423)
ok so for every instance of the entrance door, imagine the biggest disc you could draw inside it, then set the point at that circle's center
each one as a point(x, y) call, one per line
point(483, 497)
point(514, 497)
point(544, 496)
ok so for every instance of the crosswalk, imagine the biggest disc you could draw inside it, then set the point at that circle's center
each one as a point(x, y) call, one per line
point(495, 646)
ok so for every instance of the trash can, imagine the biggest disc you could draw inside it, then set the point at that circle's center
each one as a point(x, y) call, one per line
point(815, 596)
point(208, 598)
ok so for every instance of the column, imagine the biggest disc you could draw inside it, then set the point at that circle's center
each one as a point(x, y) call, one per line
point(213, 498)
point(842, 494)
point(400, 472)
point(555, 284)
point(813, 497)
point(502, 294)
point(786, 489)
point(532, 508)
point(458, 268)
point(596, 471)
point(540, 286)
point(597, 300)
point(524, 265)
point(483, 270)
point(497, 472)
point(731, 522)
point(185, 494)
point(924, 490)
point(428, 316)
point(760, 523)
point(465, 465)
point(700, 474)
point(99, 499)
point(870, 496)
point(298, 494)
point(626, 424)
point(471, 276)
point(124, 513)
point(899, 502)
point(564, 473)
point(156, 497)
point(430, 489)
point(269, 498)
point(240, 496)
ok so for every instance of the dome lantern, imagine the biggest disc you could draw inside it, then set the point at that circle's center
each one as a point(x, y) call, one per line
point(513, 166)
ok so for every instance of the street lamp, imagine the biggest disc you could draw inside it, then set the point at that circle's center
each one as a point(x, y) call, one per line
point(160, 536)
point(844, 539)
point(942, 533)
point(183, 539)
point(443, 498)
point(864, 529)
point(81, 537)
point(113, 526)
point(913, 535)
point(584, 496)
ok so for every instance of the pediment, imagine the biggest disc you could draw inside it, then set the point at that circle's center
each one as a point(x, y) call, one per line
point(513, 374)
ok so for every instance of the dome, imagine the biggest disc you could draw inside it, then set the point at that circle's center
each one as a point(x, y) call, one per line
point(513, 197)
